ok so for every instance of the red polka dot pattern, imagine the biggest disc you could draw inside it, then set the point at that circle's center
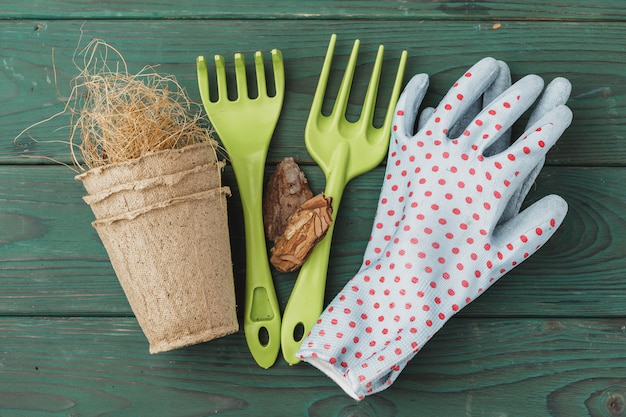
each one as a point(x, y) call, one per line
point(436, 244)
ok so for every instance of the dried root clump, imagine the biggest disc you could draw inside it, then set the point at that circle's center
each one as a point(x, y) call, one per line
point(117, 116)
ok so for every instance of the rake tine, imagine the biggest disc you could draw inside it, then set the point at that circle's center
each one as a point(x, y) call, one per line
point(203, 80)
point(220, 71)
point(367, 114)
point(339, 111)
point(240, 75)
point(279, 72)
point(260, 74)
point(318, 98)
point(395, 93)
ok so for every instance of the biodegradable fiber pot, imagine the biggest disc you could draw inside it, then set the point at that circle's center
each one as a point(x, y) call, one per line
point(134, 195)
point(150, 165)
point(165, 229)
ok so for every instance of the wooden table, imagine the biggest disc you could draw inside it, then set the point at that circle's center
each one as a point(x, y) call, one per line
point(549, 339)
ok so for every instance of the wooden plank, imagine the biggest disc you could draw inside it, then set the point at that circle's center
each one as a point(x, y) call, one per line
point(52, 262)
point(325, 9)
point(28, 93)
point(97, 366)
point(596, 221)
point(49, 253)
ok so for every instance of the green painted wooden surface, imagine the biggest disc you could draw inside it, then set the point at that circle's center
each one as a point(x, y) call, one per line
point(477, 367)
point(546, 340)
point(322, 9)
point(42, 209)
point(589, 55)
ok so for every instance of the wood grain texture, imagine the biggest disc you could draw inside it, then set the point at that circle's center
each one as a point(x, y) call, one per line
point(590, 55)
point(547, 340)
point(473, 367)
point(52, 262)
point(324, 9)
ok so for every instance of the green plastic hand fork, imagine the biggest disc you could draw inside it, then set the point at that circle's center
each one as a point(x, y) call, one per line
point(343, 150)
point(245, 126)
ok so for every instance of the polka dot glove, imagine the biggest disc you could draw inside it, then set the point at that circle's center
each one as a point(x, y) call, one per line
point(556, 93)
point(444, 242)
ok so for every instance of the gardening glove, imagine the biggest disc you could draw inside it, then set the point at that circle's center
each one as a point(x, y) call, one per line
point(556, 93)
point(447, 245)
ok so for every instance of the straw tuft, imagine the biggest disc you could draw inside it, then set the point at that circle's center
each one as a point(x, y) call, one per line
point(118, 116)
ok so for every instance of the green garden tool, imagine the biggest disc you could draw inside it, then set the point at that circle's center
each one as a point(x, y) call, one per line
point(344, 150)
point(245, 126)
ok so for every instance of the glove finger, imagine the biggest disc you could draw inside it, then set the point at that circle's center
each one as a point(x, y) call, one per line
point(465, 119)
point(461, 96)
point(499, 86)
point(517, 199)
point(525, 233)
point(542, 136)
point(557, 92)
point(514, 165)
point(503, 112)
point(426, 114)
point(408, 106)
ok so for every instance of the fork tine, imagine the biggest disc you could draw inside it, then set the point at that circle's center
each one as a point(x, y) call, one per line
point(240, 76)
point(220, 71)
point(367, 114)
point(260, 74)
point(339, 111)
point(279, 72)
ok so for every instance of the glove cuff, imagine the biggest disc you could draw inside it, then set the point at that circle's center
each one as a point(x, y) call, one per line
point(335, 372)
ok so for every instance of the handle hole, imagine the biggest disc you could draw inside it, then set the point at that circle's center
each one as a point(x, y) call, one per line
point(264, 337)
point(298, 332)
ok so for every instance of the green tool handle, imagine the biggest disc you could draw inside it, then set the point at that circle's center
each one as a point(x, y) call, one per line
point(306, 301)
point(261, 312)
